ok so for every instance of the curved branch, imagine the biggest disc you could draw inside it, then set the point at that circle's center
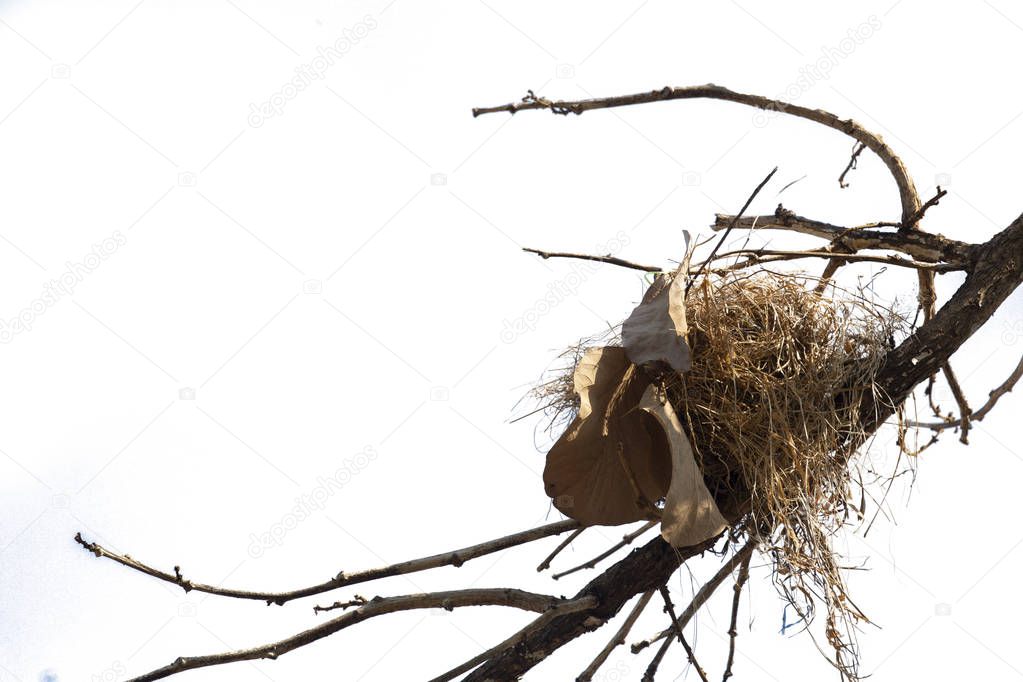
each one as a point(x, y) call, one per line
point(378, 606)
point(908, 196)
point(453, 558)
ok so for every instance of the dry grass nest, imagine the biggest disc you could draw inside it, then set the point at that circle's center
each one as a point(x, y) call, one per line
point(773, 409)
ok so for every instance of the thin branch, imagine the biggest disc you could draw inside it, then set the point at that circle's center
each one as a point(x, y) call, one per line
point(933, 201)
point(566, 607)
point(733, 631)
point(921, 245)
point(670, 610)
point(960, 397)
point(600, 259)
point(756, 256)
point(616, 641)
point(829, 271)
point(642, 570)
point(454, 558)
point(728, 230)
point(378, 606)
point(546, 563)
point(357, 600)
point(908, 196)
point(626, 540)
point(704, 593)
point(851, 165)
point(655, 662)
point(1005, 387)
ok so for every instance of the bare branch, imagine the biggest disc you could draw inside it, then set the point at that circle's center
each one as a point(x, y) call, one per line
point(626, 540)
point(454, 558)
point(1005, 387)
point(960, 397)
point(600, 259)
point(920, 245)
point(546, 563)
point(757, 256)
point(733, 631)
point(567, 607)
point(616, 641)
point(728, 230)
point(933, 201)
point(909, 198)
point(357, 600)
point(851, 165)
point(377, 606)
point(655, 662)
point(670, 610)
point(704, 593)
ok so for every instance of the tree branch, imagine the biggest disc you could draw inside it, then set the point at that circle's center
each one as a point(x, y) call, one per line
point(616, 641)
point(920, 245)
point(670, 610)
point(600, 259)
point(626, 540)
point(454, 558)
point(908, 196)
point(376, 607)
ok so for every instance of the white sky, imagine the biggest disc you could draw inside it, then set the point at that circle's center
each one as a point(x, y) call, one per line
point(132, 121)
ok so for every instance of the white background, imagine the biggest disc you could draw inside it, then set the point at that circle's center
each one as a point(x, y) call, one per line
point(376, 183)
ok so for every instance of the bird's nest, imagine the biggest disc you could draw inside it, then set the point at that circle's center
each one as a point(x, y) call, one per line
point(775, 405)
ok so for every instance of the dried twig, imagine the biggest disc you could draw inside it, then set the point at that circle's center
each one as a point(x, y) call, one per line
point(357, 600)
point(546, 563)
point(700, 269)
point(616, 641)
point(378, 606)
point(993, 397)
point(454, 558)
point(756, 256)
point(851, 165)
point(704, 593)
point(626, 540)
point(600, 259)
point(733, 631)
point(670, 610)
point(960, 397)
point(933, 201)
point(655, 662)
point(920, 245)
